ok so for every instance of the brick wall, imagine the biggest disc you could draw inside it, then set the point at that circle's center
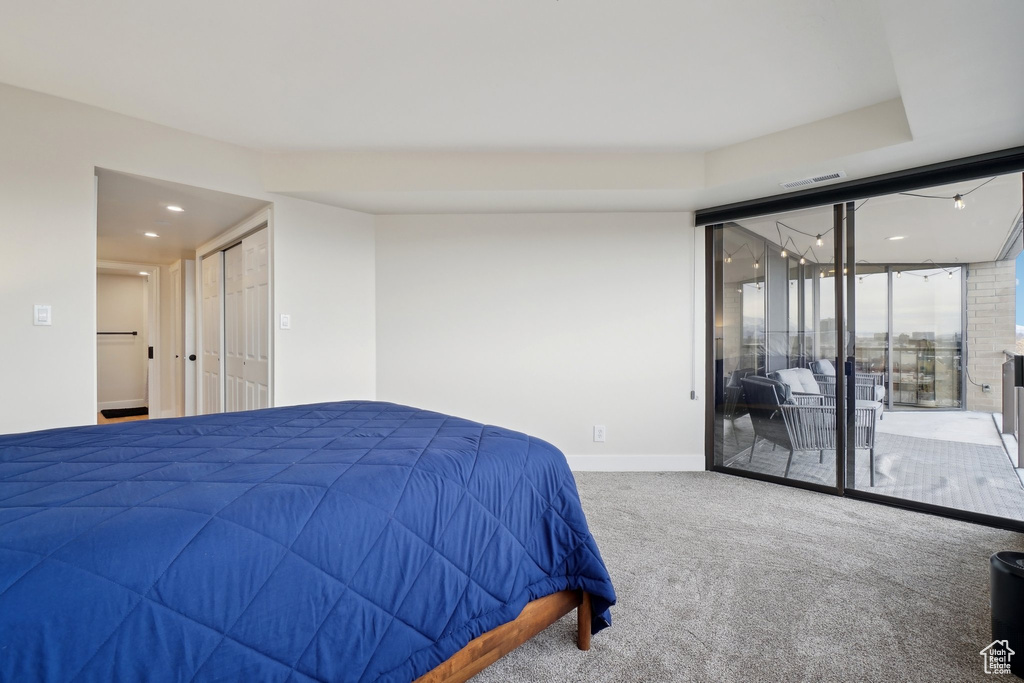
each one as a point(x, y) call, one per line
point(991, 327)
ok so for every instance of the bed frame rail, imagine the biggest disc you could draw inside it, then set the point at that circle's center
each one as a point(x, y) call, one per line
point(488, 648)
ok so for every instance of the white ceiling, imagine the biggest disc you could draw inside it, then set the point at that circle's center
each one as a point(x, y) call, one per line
point(751, 93)
point(128, 206)
point(330, 74)
point(932, 228)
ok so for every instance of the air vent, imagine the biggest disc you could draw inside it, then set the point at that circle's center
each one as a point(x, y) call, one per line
point(816, 180)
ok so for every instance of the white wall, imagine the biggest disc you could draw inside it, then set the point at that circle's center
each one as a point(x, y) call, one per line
point(550, 324)
point(121, 360)
point(324, 279)
point(50, 148)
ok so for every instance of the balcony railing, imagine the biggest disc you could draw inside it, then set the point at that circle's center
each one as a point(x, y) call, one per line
point(1013, 400)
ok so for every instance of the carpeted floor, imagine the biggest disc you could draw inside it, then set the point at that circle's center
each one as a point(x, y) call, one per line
point(725, 579)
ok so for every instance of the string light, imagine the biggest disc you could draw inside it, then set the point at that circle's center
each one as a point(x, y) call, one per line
point(802, 260)
point(958, 199)
point(820, 242)
point(899, 274)
point(950, 274)
point(757, 264)
point(783, 253)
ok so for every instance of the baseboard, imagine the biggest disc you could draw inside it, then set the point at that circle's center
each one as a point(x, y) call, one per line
point(636, 463)
point(133, 403)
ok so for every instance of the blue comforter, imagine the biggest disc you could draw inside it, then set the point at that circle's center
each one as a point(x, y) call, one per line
point(352, 541)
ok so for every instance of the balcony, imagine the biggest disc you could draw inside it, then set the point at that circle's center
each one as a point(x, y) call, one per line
point(954, 459)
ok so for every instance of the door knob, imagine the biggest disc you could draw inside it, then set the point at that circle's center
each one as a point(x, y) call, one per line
point(192, 357)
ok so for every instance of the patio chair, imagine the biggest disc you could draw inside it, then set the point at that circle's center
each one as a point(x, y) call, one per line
point(803, 382)
point(870, 386)
point(735, 407)
point(802, 422)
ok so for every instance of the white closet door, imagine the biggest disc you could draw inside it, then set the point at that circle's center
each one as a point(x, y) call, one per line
point(234, 338)
point(257, 320)
point(212, 300)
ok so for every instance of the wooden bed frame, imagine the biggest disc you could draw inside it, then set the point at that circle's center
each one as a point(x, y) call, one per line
point(488, 648)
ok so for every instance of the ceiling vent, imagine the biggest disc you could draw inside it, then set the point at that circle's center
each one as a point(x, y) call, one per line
point(815, 180)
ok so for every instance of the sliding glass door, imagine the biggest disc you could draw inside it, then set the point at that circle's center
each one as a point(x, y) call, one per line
point(858, 347)
point(775, 281)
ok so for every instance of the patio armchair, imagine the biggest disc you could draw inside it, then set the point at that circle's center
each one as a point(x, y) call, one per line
point(802, 421)
point(734, 405)
point(802, 382)
point(870, 386)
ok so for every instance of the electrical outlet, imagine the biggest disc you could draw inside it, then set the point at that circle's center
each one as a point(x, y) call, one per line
point(986, 387)
point(599, 433)
point(286, 321)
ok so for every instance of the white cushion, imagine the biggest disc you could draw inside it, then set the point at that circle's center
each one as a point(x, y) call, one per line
point(824, 367)
point(800, 380)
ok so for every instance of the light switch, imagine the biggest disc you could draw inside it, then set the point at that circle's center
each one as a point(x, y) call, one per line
point(43, 315)
point(286, 321)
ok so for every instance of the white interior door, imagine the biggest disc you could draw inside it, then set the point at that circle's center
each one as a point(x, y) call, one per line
point(212, 320)
point(178, 372)
point(234, 339)
point(189, 326)
point(257, 320)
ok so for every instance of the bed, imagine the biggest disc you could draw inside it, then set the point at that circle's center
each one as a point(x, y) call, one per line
point(347, 541)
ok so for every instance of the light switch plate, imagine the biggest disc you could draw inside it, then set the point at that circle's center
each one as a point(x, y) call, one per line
point(286, 321)
point(42, 314)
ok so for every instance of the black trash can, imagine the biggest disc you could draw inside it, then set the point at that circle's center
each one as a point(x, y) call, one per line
point(1007, 571)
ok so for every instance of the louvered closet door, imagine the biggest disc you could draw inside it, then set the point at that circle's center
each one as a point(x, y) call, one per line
point(234, 333)
point(256, 327)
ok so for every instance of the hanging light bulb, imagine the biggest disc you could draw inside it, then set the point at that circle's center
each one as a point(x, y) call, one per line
point(950, 274)
point(820, 242)
point(926, 278)
point(958, 202)
point(728, 258)
point(757, 264)
point(802, 260)
point(758, 286)
point(844, 271)
point(783, 253)
point(860, 279)
point(821, 274)
point(899, 274)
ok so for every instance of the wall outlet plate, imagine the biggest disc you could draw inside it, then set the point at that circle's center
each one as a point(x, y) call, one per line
point(599, 433)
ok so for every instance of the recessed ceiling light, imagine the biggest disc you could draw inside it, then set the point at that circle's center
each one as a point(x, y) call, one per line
point(151, 234)
point(142, 272)
point(175, 209)
point(896, 237)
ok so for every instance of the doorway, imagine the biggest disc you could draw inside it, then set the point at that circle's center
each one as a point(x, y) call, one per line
point(127, 327)
point(164, 228)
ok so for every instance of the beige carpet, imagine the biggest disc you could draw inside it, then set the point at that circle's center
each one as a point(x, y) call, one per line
point(725, 579)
